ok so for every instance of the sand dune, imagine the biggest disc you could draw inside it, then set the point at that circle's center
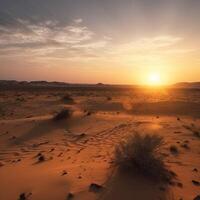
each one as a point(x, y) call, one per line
point(46, 159)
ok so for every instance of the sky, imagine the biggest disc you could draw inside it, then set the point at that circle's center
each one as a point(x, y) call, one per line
point(108, 41)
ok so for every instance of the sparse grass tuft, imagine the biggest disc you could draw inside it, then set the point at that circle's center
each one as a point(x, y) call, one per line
point(63, 114)
point(141, 153)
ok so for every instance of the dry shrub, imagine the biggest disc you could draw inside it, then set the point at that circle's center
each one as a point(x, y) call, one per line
point(68, 99)
point(63, 114)
point(141, 153)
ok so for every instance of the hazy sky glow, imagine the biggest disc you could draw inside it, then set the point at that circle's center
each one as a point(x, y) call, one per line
point(90, 41)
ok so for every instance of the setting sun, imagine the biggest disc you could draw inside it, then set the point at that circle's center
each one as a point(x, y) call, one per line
point(154, 79)
point(89, 88)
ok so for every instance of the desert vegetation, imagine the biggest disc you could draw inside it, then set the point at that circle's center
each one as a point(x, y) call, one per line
point(64, 146)
point(63, 114)
point(67, 99)
point(142, 153)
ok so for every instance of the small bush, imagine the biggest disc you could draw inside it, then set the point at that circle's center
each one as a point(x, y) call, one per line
point(63, 114)
point(141, 153)
point(68, 99)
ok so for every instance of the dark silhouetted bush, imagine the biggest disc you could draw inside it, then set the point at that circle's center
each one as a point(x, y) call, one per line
point(68, 99)
point(141, 153)
point(63, 114)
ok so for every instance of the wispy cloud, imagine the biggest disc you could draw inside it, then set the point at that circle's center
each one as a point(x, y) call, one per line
point(78, 21)
point(43, 33)
point(144, 50)
point(75, 41)
point(48, 38)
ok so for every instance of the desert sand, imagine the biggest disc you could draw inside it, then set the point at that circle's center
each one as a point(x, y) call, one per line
point(46, 159)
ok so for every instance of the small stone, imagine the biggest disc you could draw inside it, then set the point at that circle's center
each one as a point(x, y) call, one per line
point(95, 187)
point(185, 146)
point(172, 183)
point(197, 183)
point(64, 172)
point(195, 170)
point(197, 133)
point(173, 149)
point(41, 158)
point(88, 113)
point(60, 154)
point(52, 150)
point(81, 135)
point(197, 197)
point(70, 196)
point(179, 184)
point(13, 138)
point(1, 164)
point(22, 196)
point(109, 98)
point(38, 155)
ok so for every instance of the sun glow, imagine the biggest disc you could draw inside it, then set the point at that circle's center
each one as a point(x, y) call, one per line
point(154, 79)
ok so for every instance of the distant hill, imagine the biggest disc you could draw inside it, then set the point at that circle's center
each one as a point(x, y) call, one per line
point(14, 83)
point(10, 84)
point(187, 85)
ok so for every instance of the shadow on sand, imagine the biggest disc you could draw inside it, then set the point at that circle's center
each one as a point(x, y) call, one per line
point(167, 108)
point(42, 128)
point(129, 186)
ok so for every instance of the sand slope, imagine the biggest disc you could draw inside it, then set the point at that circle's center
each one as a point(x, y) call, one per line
point(79, 151)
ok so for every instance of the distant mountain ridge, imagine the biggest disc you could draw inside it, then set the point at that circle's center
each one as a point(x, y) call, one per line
point(187, 85)
point(21, 84)
point(31, 83)
point(27, 84)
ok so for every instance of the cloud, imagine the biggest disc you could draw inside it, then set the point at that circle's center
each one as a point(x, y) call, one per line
point(44, 32)
point(74, 41)
point(78, 21)
point(47, 36)
point(73, 34)
point(152, 44)
point(148, 49)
